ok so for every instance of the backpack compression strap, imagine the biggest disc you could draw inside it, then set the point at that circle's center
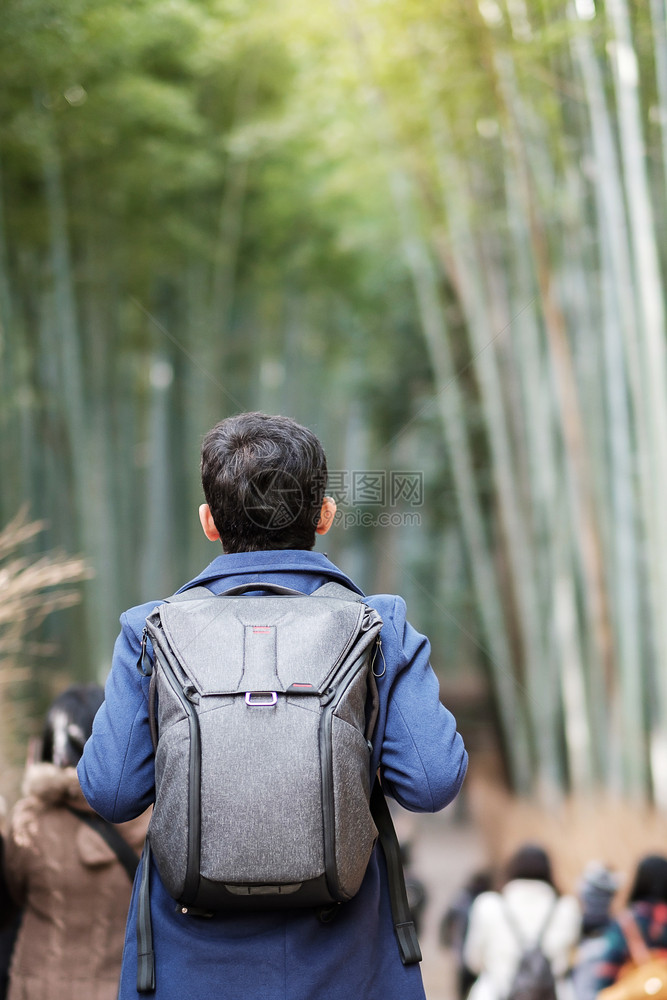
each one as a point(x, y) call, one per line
point(404, 926)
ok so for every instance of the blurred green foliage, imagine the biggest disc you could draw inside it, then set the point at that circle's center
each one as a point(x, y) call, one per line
point(428, 230)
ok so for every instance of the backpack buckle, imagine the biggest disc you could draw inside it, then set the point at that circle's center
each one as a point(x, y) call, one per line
point(258, 699)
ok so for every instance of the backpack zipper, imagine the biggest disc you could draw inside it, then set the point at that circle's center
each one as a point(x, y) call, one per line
point(326, 765)
point(191, 882)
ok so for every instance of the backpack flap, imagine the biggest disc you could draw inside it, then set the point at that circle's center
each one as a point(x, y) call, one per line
point(229, 646)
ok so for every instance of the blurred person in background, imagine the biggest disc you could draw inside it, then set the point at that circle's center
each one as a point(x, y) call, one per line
point(597, 887)
point(646, 911)
point(528, 910)
point(67, 869)
point(454, 926)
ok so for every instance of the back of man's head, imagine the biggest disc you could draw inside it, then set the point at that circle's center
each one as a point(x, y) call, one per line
point(264, 479)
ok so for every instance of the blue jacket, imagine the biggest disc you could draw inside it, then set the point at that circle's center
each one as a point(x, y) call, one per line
point(289, 955)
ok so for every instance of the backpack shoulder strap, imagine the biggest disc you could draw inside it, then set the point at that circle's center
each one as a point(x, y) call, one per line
point(126, 854)
point(512, 923)
point(404, 927)
point(335, 589)
point(547, 921)
point(193, 594)
point(145, 951)
point(514, 926)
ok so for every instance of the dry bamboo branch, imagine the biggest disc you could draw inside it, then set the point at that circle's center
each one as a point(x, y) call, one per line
point(32, 588)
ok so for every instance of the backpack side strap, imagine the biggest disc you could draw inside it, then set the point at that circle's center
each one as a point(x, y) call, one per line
point(404, 927)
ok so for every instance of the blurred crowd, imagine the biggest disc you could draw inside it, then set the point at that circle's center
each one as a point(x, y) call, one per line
point(515, 936)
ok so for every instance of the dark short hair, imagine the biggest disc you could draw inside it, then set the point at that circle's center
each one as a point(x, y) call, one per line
point(650, 881)
point(69, 723)
point(530, 862)
point(264, 479)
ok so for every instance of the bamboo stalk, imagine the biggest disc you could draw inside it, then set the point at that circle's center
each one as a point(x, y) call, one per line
point(550, 500)
point(464, 265)
point(576, 449)
point(90, 510)
point(659, 31)
point(650, 292)
point(450, 405)
point(628, 439)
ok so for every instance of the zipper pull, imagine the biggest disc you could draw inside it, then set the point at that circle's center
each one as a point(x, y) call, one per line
point(378, 646)
point(143, 657)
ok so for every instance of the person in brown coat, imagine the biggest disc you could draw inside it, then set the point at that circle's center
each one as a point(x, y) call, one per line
point(73, 889)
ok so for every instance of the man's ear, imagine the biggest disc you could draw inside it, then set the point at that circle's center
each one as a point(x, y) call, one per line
point(327, 515)
point(207, 524)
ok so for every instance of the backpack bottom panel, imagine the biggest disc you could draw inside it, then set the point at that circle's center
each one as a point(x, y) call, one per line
point(217, 896)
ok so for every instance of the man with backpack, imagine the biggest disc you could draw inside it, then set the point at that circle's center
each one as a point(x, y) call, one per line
point(255, 709)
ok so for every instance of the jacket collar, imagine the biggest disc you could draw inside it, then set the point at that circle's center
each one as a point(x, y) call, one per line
point(284, 562)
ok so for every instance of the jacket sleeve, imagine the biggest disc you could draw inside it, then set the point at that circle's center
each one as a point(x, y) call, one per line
point(116, 771)
point(422, 758)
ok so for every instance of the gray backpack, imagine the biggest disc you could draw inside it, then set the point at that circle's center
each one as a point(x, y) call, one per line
point(262, 709)
point(534, 978)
